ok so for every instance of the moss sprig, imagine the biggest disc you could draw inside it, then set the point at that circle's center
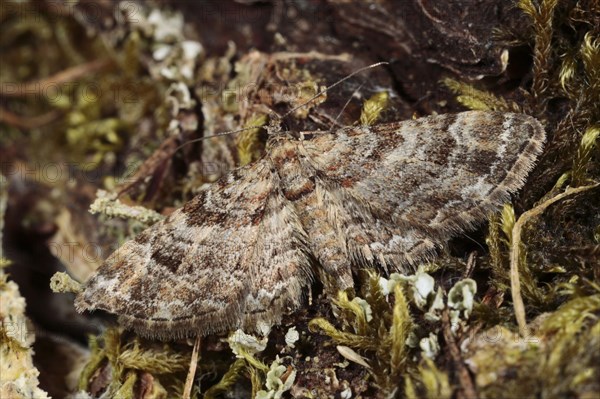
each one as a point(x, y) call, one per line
point(589, 142)
point(427, 382)
point(229, 379)
point(542, 20)
point(366, 326)
point(373, 108)
point(127, 356)
point(249, 145)
point(476, 99)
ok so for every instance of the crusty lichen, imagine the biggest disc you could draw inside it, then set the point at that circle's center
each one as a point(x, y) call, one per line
point(18, 375)
point(108, 205)
point(62, 282)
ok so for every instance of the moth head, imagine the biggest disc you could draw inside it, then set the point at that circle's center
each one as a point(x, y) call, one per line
point(274, 128)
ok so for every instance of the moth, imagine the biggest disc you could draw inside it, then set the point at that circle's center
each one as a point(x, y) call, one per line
point(243, 252)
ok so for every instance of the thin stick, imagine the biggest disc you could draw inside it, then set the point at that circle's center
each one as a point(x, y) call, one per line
point(315, 55)
point(467, 386)
point(65, 76)
point(28, 122)
point(471, 262)
point(515, 253)
point(189, 381)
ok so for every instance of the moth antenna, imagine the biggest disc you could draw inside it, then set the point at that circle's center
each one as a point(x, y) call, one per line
point(348, 102)
point(216, 135)
point(335, 84)
point(290, 111)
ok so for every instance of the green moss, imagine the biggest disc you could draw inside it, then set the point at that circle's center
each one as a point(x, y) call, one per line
point(541, 16)
point(373, 108)
point(249, 145)
point(427, 382)
point(94, 362)
point(497, 248)
point(229, 379)
point(375, 327)
point(589, 142)
point(126, 390)
point(476, 99)
point(152, 360)
point(398, 334)
point(554, 361)
point(125, 355)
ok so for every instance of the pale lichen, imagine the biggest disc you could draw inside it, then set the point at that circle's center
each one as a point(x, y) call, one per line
point(279, 380)
point(108, 205)
point(61, 282)
point(291, 337)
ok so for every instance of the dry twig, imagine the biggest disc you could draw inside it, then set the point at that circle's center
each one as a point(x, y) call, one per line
point(515, 253)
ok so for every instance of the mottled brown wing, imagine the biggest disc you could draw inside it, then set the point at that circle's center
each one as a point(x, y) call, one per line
point(234, 256)
point(409, 186)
